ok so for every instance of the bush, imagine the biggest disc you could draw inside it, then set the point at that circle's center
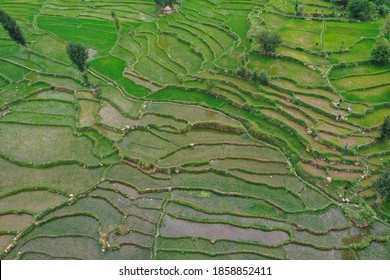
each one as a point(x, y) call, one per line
point(386, 26)
point(269, 40)
point(264, 79)
point(362, 216)
point(361, 9)
point(385, 129)
point(381, 54)
point(382, 185)
point(383, 10)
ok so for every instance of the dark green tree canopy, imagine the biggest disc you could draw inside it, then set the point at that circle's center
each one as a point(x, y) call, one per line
point(385, 129)
point(381, 54)
point(382, 185)
point(361, 9)
point(164, 2)
point(263, 78)
point(78, 54)
point(269, 40)
point(12, 28)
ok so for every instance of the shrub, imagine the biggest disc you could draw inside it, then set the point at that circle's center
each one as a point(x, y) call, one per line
point(244, 72)
point(385, 129)
point(269, 40)
point(383, 10)
point(381, 54)
point(386, 26)
point(382, 185)
point(263, 78)
point(163, 3)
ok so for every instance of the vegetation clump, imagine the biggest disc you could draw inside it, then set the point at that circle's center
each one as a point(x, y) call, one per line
point(162, 4)
point(78, 54)
point(382, 185)
point(299, 7)
point(245, 73)
point(381, 54)
point(12, 28)
point(263, 78)
point(363, 10)
point(385, 129)
point(361, 214)
point(116, 20)
point(386, 26)
point(269, 40)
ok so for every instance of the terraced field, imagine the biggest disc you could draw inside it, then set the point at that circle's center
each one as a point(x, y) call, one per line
point(171, 155)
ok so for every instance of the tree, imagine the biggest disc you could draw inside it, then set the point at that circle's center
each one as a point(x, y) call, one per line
point(385, 129)
point(383, 10)
point(361, 9)
point(381, 54)
point(116, 20)
point(164, 2)
point(255, 76)
point(386, 26)
point(12, 28)
point(382, 185)
point(243, 72)
point(78, 54)
point(264, 79)
point(269, 40)
point(299, 7)
point(383, 7)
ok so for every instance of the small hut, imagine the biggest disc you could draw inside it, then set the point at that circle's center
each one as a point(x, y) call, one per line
point(167, 10)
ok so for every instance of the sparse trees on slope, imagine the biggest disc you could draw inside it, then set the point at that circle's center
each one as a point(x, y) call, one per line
point(12, 28)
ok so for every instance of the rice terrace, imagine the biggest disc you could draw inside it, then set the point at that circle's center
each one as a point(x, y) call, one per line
point(194, 129)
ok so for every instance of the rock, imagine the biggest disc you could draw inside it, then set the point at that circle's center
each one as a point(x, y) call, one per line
point(309, 131)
